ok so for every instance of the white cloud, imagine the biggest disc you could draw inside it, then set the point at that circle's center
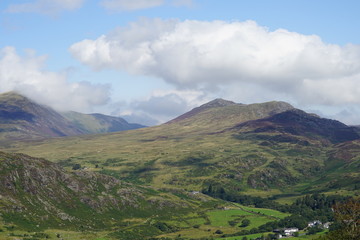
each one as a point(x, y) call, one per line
point(48, 7)
point(160, 106)
point(25, 74)
point(212, 56)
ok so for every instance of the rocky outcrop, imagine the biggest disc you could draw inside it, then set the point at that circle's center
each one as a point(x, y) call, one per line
point(36, 190)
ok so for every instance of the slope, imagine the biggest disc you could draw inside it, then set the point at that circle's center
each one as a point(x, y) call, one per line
point(99, 123)
point(37, 195)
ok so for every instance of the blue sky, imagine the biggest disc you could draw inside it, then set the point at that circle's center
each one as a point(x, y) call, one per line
point(151, 60)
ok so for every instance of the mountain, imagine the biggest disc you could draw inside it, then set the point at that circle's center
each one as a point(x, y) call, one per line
point(220, 114)
point(22, 118)
point(210, 105)
point(270, 148)
point(99, 123)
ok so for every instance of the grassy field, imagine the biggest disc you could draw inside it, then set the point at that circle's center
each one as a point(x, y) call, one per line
point(225, 221)
point(267, 212)
point(257, 235)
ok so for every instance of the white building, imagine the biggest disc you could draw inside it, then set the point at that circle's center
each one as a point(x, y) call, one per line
point(290, 231)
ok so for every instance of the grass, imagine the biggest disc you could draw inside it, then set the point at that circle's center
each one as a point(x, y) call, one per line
point(250, 236)
point(129, 152)
point(221, 218)
point(268, 212)
point(52, 234)
point(199, 226)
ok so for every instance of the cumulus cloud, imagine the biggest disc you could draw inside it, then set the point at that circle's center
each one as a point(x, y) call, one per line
point(160, 106)
point(48, 7)
point(25, 74)
point(211, 56)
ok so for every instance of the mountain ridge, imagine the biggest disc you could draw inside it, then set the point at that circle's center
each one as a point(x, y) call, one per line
point(223, 104)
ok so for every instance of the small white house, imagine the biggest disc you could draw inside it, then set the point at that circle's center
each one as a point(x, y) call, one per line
point(290, 231)
point(314, 223)
point(326, 225)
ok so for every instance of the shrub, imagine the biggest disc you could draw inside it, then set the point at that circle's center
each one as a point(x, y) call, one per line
point(219, 231)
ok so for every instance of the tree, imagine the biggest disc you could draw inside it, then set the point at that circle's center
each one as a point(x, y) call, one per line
point(76, 166)
point(314, 230)
point(245, 223)
point(347, 216)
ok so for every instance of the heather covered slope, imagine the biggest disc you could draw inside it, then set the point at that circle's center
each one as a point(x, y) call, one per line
point(269, 148)
point(300, 123)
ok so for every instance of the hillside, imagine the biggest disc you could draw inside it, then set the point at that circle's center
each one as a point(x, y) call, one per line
point(266, 149)
point(23, 119)
point(37, 195)
point(41, 200)
point(99, 123)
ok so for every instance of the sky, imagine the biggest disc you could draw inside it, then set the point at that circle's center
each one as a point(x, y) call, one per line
point(152, 60)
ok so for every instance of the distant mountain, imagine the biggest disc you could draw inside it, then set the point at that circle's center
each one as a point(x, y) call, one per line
point(22, 118)
point(99, 123)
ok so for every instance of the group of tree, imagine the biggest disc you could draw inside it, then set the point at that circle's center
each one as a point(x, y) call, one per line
point(344, 212)
point(347, 221)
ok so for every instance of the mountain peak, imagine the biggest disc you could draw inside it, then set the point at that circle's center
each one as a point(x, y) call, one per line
point(220, 114)
point(218, 102)
point(13, 96)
